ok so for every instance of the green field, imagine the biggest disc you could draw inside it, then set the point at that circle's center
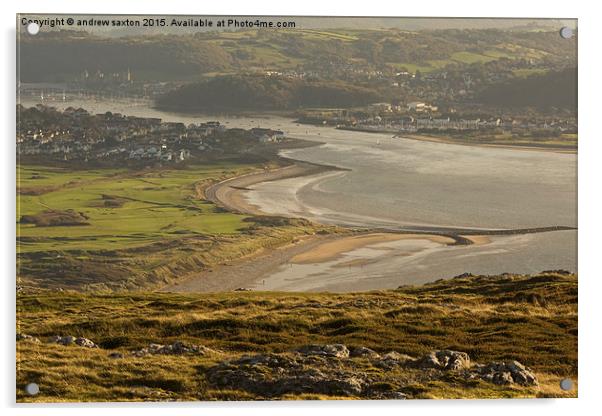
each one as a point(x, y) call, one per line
point(156, 204)
point(464, 57)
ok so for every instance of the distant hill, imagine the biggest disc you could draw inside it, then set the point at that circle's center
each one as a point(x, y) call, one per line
point(245, 92)
point(63, 56)
point(553, 89)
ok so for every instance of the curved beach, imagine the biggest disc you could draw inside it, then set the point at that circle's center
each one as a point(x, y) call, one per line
point(230, 193)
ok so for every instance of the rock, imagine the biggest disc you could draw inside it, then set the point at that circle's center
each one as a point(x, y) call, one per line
point(395, 395)
point(395, 356)
point(277, 374)
point(363, 352)
point(115, 355)
point(393, 359)
point(329, 350)
point(69, 340)
point(506, 372)
point(444, 360)
point(27, 338)
point(177, 348)
point(85, 342)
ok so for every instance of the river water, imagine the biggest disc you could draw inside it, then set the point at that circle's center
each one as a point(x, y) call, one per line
point(396, 183)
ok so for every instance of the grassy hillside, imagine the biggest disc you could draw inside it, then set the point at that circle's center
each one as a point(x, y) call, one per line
point(67, 54)
point(125, 229)
point(532, 319)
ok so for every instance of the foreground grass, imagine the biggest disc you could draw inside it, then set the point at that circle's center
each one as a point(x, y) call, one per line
point(532, 319)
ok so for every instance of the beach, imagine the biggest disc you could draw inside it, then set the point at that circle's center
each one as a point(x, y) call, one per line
point(252, 272)
point(230, 193)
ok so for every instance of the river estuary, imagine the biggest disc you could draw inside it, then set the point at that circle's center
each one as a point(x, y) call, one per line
point(397, 183)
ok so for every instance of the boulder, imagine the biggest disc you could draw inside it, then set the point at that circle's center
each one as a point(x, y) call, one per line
point(27, 338)
point(66, 340)
point(85, 342)
point(363, 352)
point(177, 348)
point(69, 340)
point(506, 372)
point(328, 350)
point(444, 360)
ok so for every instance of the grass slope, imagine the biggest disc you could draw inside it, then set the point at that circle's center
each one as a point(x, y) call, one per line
point(532, 319)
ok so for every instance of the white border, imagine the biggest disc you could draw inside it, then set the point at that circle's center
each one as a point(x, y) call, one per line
point(590, 161)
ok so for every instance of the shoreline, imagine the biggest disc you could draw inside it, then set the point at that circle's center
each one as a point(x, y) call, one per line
point(250, 271)
point(228, 193)
point(448, 140)
point(315, 249)
point(534, 147)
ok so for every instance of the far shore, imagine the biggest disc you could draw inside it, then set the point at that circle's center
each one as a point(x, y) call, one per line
point(532, 146)
point(512, 146)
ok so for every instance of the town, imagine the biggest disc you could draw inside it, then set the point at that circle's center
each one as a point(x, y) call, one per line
point(419, 117)
point(76, 135)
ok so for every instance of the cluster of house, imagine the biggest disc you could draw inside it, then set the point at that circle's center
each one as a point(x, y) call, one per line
point(158, 153)
point(267, 135)
point(413, 106)
point(74, 133)
point(411, 124)
point(329, 69)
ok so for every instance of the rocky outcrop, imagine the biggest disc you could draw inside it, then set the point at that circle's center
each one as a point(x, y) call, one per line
point(335, 370)
point(71, 340)
point(58, 339)
point(177, 348)
point(27, 338)
point(505, 372)
point(328, 350)
point(444, 360)
point(363, 352)
point(392, 359)
point(277, 374)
